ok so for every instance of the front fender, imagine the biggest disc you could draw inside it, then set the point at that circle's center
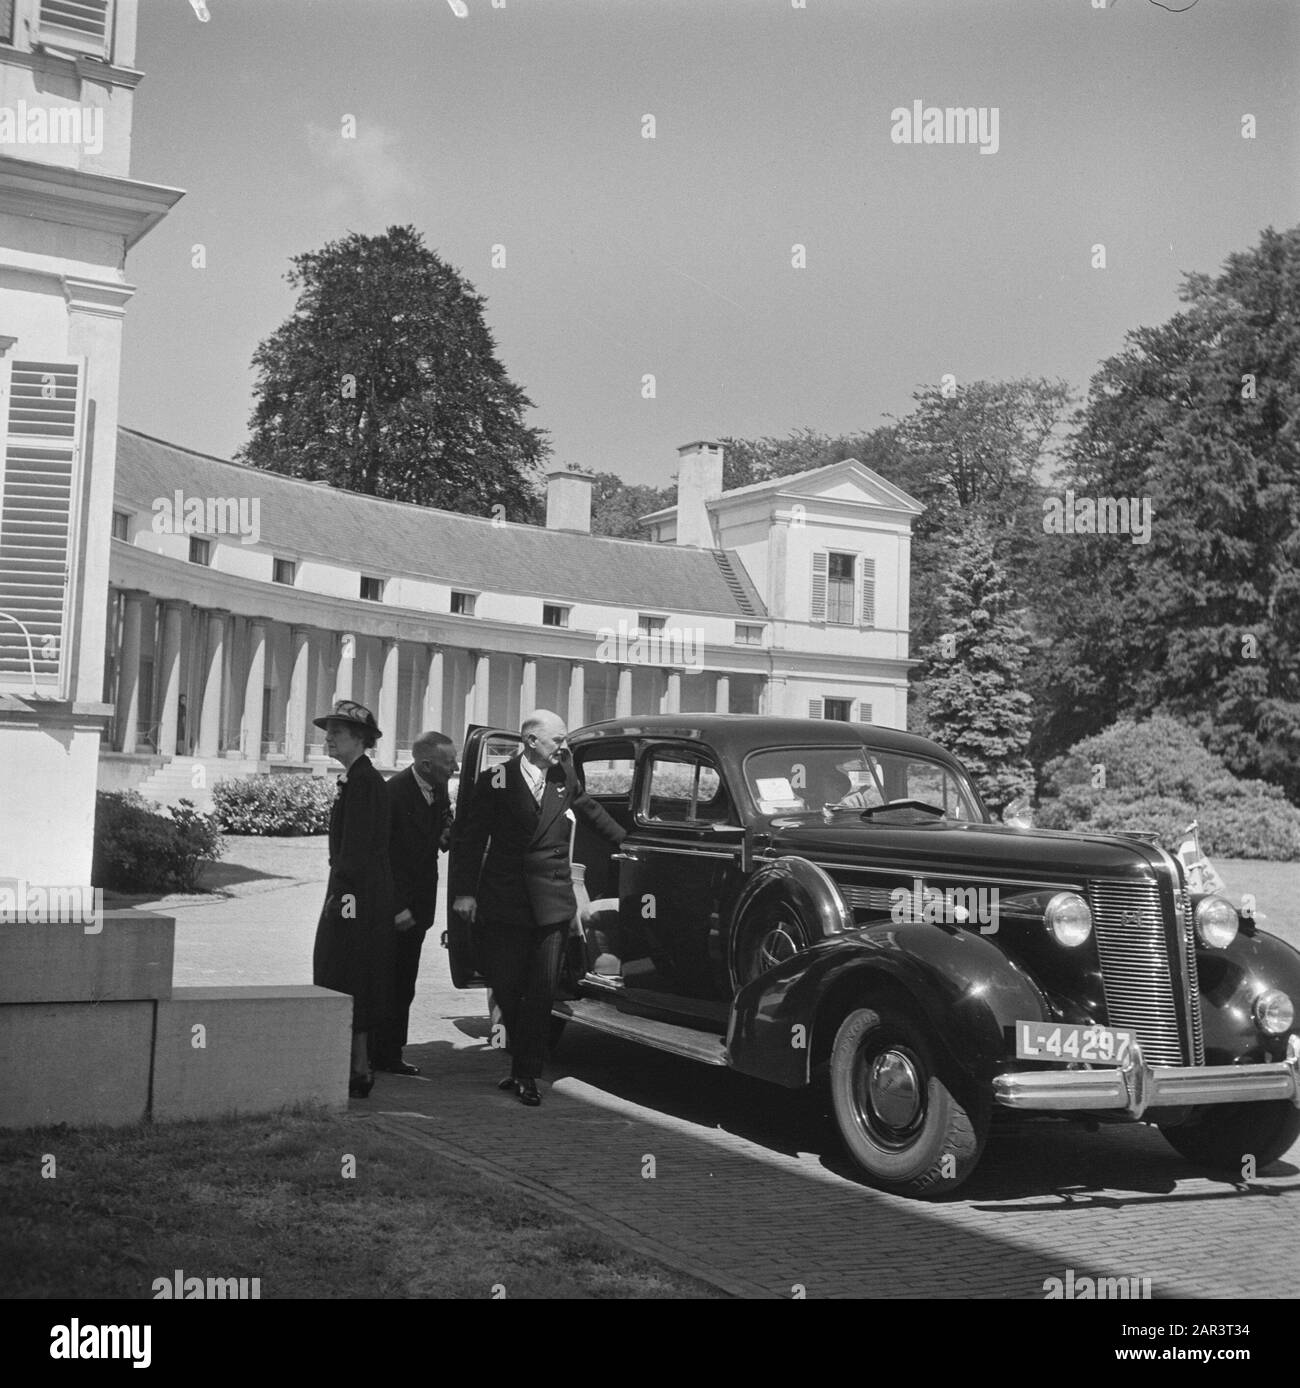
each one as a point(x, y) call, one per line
point(968, 992)
point(1231, 979)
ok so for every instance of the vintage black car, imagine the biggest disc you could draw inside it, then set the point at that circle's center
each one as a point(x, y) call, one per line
point(805, 898)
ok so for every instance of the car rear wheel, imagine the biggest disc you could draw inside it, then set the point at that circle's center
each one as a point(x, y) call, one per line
point(1222, 1136)
point(896, 1110)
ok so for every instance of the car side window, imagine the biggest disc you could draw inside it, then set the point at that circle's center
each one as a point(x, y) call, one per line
point(607, 772)
point(681, 787)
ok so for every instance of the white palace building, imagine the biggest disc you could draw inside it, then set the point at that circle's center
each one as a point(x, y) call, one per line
point(243, 603)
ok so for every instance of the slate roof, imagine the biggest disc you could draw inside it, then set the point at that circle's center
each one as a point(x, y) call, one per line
point(393, 537)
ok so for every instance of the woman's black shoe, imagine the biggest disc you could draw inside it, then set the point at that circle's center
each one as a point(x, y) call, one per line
point(527, 1091)
point(507, 1084)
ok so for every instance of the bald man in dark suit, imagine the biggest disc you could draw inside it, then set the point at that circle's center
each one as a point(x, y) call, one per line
point(511, 879)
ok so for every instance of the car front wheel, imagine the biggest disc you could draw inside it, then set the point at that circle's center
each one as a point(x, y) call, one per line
point(1223, 1136)
point(896, 1111)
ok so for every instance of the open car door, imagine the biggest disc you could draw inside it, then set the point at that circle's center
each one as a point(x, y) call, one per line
point(484, 749)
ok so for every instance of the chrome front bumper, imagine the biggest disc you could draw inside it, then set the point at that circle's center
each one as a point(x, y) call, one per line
point(1137, 1086)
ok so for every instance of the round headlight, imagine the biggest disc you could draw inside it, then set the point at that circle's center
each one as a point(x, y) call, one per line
point(1068, 918)
point(1274, 1012)
point(1216, 922)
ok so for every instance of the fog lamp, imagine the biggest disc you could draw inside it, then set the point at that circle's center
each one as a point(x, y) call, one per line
point(1274, 1012)
point(1068, 918)
point(1216, 922)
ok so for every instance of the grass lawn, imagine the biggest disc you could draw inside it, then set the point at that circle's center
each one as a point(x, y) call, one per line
point(267, 1198)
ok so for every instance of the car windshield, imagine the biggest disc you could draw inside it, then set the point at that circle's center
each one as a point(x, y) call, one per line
point(804, 780)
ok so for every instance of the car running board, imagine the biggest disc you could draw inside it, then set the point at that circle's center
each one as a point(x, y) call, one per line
point(663, 1036)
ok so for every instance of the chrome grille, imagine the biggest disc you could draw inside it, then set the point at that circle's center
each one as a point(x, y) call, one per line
point(1193, 980)
point(1135, 966)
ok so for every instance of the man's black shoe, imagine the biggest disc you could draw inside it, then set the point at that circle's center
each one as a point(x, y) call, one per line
point(527, 1091)
point(507, 1084)
point(399, 1067)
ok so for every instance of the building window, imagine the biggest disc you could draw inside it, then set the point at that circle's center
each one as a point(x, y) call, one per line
point(372, 589)
point(648, 625)
point(462, 604)
point(840, 710)
point(286, 570)
point(82, 26)
point(6, 21)
point(839, 589)
point(200, 550)
point(554, 615)
point(121, 525)
point(748, 635)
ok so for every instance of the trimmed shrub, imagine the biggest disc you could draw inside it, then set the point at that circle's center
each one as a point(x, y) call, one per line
point(140, 849)
point(285, 805)
point(1158, 777)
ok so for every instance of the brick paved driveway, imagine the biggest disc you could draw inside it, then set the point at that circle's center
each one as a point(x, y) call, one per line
point(749, 1184)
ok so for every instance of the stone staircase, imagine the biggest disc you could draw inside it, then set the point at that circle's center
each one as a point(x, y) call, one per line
point(176, 779)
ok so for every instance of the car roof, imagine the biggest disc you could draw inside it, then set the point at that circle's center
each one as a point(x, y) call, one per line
point(739, 733)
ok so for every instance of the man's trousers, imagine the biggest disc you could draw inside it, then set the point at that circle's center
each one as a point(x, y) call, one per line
point(390, 1036)
point(521, 967)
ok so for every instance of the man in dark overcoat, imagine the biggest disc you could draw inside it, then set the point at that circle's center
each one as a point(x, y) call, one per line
point(420, 828)
point(511, 879)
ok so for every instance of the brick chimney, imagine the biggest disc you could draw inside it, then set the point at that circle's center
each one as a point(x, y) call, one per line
point(568, 501)
point(699, 480)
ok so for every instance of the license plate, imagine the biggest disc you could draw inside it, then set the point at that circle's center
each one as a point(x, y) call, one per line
point(1047, 1041)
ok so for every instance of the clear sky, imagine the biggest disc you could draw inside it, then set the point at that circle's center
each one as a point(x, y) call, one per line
point(522, 126)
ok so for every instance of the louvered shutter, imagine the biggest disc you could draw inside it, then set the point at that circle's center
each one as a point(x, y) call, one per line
point(868, 618)
point(815, 708)
point(864, 712)
point(84, 26)
point(7, 21)
point(820, 566)
point(41, 411)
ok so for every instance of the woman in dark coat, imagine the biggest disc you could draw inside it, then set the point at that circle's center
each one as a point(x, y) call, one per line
point(355, 937)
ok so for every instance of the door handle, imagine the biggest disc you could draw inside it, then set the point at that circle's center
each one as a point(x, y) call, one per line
point(629, 857)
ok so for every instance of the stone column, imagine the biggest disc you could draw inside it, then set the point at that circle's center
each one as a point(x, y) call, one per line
point(347, 660)
point(386, 713)
point(482, 687)
point(527, 687)
point(771, 698)
point(722, 694)
point(128, 675)
point(250, 741)
point(623, 702)
point(295, 713)
point(577, 694)
point(209, 744)
point(433, 692)
point(169, 676)
point(672, 702)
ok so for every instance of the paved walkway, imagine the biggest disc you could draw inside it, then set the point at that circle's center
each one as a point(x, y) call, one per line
point(744, 1184)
